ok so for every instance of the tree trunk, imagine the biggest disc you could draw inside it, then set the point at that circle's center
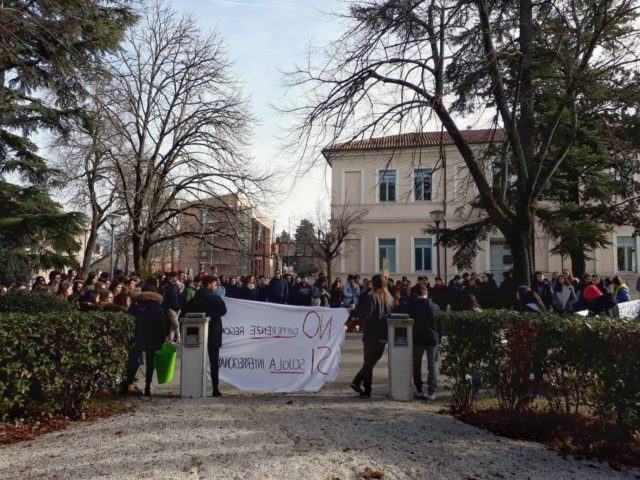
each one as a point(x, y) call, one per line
point(329, 274)
point(90, 247)
point(578, 263)
point(136, 248)
point(520, 242)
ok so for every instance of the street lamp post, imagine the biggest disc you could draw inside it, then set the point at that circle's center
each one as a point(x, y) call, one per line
point(437, 216)
point(113, 220)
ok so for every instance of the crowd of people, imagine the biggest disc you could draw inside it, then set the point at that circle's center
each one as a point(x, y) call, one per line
point(159, 301)
point(561, 293)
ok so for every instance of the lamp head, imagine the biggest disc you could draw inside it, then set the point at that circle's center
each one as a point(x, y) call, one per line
point(437, 215)
point(113, 220)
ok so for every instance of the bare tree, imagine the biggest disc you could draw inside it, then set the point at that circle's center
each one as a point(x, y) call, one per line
point(528, 67)
point(182, 126)
point(85, 164)
point(334, 232)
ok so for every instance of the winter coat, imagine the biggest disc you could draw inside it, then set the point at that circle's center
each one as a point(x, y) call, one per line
point(185, 295)
point(425, 332)
point(170, 298)
point(279, 290)
point(206, 301)
point(564, 300)
point(247, 293)
point(440, 296)
point(336, 299)
point(263, 293)
point(487, 294)
point(351, 294)
point(303, 295)
point(622, 294)
point(375, 314)
point(111, 307)
point(150, 329)
point(544, 292)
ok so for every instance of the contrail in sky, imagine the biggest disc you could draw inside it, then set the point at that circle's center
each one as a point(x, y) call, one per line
point(261, 5)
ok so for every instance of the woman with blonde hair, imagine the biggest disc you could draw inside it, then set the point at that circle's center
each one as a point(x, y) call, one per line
point(375, 308)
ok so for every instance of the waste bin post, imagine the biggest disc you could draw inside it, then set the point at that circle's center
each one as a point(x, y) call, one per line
point(194, 357)
point(400, 357)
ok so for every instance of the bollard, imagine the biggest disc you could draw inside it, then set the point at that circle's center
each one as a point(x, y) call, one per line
point(400, 357)
point(194, 358)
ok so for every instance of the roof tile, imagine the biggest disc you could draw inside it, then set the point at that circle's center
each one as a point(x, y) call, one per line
point(418, 139)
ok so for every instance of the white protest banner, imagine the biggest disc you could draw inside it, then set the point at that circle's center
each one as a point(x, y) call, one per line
point(268, 347)
point(629, 309)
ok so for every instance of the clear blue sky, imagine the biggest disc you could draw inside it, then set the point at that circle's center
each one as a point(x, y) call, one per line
point(264, 37)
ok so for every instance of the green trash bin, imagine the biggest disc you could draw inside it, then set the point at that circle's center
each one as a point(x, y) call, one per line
point(165, 362)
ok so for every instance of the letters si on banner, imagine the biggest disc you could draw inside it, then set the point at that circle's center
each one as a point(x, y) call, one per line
point(268, 347)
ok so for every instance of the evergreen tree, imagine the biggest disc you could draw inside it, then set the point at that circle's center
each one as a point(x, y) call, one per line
point(595, 189)
point(306, 241)
point(48, 50)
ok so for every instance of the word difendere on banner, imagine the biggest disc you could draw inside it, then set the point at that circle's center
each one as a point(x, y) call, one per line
point(268, 347)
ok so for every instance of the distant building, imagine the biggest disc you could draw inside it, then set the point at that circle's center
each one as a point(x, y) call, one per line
point(400, 179)
point(239, 243)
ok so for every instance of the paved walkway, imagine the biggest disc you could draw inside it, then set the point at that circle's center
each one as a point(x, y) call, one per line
point(329, 435)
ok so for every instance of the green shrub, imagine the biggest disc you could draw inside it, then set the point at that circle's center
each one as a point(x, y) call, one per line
point(51, 363)
point(33, 302)
point(568, 360)
point(13, 265)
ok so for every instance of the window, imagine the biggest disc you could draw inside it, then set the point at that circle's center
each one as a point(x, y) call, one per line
point(422, 248)
point(626, 254)
point(387, 254)
point(501, 259)
point(387, 181)
point(422, 183)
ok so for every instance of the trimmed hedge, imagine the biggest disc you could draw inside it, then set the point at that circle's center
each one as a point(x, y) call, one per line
point(33, 302)
point(570, 361)
point(51, 363)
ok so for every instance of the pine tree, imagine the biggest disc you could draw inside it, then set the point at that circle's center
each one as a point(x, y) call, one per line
point(48, 50)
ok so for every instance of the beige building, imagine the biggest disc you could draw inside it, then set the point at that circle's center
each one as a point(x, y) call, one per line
point(400, 179)
point(240, 242)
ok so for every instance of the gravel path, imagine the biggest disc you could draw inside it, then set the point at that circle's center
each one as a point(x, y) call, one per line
point(323, 436)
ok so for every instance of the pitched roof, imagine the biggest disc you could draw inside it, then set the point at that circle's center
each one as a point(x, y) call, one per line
point(414, 140)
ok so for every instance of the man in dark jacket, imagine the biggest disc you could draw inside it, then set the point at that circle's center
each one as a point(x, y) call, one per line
point(456, 293)
point(440, 294)
point(279, 288)
point(426, 338)
point(150, 332)
point(263, 290)
point(507, 291)
point(543, 288)
point(304, 292)
point(206, 301)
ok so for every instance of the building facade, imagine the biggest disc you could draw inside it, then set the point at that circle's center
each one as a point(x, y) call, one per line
point(399, 180)
point(240, 241)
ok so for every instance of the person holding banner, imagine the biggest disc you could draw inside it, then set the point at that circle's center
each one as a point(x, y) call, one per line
point(374, 309)
point(206, 301)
